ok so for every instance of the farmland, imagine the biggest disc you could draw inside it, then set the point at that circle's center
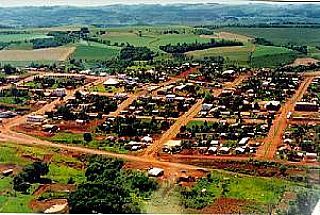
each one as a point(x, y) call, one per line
point(118, 114)
point(94, 52)
point(20, 37)
point(49, 54)
point(282, 36)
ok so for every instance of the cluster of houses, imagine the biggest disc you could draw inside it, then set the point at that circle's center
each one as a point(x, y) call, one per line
point(169, 105)
point(300, 143)
point(131, 132)
point(218, 139)
point(311, 100)
point(254, 98)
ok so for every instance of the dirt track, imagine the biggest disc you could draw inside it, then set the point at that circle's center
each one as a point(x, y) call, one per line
point(274, 138)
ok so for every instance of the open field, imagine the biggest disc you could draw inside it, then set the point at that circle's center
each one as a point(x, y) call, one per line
point(20, 37)
point(151, 40)
point(239, 54)
point(49, 54)
point(271, 56)
point(282, 36)
point(94, 52)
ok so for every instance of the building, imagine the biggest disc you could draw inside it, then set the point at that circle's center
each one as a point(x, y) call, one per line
point(35, 118)
point(155, 172)
point(306, 106)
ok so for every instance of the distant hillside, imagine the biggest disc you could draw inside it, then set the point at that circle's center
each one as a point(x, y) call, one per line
point(115, 15)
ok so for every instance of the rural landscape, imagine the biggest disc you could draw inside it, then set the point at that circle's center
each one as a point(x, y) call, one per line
point(198, 108)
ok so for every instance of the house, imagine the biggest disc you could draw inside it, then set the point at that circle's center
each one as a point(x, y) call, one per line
point(172, 146)
point(7, 114)
point(212, 150)
point(155, 172)
point(147, 139)
point(244, 141)
point(240, 150)
point(7, 172)
point(59, 92)
point(224, 150)
point(273, 105)
point(306, 106)
point(35, 118)
point(111, 82)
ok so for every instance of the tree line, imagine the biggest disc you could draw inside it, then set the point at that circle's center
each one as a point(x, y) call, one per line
point(186, 47)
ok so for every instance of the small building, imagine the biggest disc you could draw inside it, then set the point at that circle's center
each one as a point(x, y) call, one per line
point(155, 172)
point(224, 150)
point(7, 172)
point(273, 105)
point(172, 146)
point(212, 150)
point(59, 92)
point(111, 82)
point(244, 141)
point(35, 118)
point(306, 106)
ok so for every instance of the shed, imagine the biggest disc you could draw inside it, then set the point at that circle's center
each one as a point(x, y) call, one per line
point(155, 172)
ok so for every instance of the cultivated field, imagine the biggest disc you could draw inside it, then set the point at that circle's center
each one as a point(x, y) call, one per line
point(49, 54)
point(21, 37)
point(282, 36)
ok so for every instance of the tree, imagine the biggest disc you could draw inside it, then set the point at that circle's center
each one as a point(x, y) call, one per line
point(283, 169)
point(109, 189)
point(20, 185)
point(87, 137)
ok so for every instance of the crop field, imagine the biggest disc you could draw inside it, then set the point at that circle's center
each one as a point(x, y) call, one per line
point(49, 54)
point(238, 54)
point(94, 51)
point(152, 40)
point(20, 37)
point(282, 36)
point(272, 56)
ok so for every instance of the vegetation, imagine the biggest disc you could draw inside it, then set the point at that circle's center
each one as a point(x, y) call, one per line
point(182, 48)
point(30, 174)
point(107, 183)
point(131, 53)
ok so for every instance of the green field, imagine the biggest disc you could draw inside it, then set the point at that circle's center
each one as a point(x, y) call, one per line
point(282, 36)
point(20, 37)
point(269, 56)
point(94, 51)
point(233, 55)
point(151, 40)
point(60, 171)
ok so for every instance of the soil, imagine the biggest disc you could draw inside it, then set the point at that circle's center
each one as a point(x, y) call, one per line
point(41, 206)
point(226, 206)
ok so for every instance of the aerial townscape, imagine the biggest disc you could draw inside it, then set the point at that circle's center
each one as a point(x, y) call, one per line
point(189, 108)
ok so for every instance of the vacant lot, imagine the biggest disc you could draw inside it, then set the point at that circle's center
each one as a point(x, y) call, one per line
point(49, 54)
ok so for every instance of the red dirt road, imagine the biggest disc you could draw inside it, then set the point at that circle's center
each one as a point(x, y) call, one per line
point(274, 138)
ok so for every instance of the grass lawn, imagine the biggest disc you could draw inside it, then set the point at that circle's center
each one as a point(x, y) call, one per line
point(197, 123)
point(11, 201)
